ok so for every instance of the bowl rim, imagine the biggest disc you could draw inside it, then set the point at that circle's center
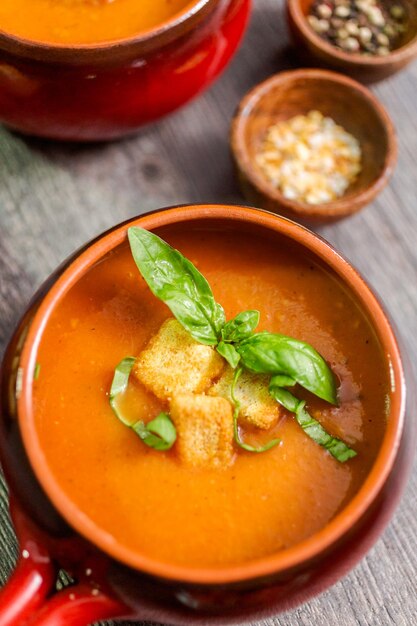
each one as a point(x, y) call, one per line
point(284, 560)
point(403, 53)
point(110, 50)
point(346, 204)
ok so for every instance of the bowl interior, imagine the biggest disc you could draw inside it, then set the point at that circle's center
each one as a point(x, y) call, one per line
point(299, 94)
point(407, 36)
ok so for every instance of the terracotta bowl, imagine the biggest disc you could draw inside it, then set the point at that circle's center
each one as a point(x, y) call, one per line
point(312, 48)
point(108, 90)
point(296, 92)
point(110, 583)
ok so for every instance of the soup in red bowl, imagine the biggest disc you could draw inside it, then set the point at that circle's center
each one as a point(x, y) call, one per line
point(85, 71)
point(208, 416)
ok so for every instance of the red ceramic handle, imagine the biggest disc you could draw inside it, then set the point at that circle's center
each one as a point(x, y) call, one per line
point(29, 597)
point(32, 580)
point(77, 606)
point(23, 601)
point(26, 590)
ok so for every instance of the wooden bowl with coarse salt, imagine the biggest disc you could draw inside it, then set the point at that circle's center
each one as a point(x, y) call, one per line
point(314, 46)
point(312, 145)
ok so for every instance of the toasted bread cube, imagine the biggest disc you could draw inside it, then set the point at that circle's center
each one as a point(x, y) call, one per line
point(204, 429)
point(257, 407)
point(174, 362)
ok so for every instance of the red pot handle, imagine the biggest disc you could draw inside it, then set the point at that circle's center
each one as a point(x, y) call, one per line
point(79, 605)
point(28, 586)
point(29, 597)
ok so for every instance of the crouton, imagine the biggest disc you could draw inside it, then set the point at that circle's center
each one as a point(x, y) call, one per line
point(257, 407)
point(174, 362)
point(204, 429)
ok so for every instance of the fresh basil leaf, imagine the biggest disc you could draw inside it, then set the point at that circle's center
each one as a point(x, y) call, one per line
point(270, 353)
point(315, 430)
point(119, 385)
point(337, 448)
point(280, 380)
point(284, 397)
point(241, 326)
point(160, 433)
point(236, 411)
point(229, 352)
point(176, 281)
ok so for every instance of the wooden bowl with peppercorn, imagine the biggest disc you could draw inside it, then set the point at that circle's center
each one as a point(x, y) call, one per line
point(368, 39)
point(312, 145)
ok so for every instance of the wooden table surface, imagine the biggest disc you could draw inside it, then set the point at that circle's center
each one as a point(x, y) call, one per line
point(54, 197)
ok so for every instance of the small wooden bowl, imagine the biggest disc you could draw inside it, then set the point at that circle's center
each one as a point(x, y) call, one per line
point(368, 69)
point(297, 92)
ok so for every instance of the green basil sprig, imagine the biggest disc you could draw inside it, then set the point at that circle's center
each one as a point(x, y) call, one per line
point(236, 411)
point(235, 330)
point(176, 281)
point(229, 352)
point(271, 353)
point(160, 432)
point(337, 448)
point(240, 327)
point(119, 385)
point(36, 371)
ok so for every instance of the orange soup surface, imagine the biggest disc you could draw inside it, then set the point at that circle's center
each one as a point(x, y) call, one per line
point(147, 500)
point(85, 21)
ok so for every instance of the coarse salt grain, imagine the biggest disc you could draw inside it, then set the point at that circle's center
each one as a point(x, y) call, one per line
point(310, 158)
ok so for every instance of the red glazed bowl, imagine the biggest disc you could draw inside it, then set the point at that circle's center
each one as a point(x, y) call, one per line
point(105, 91)
point(113, 582)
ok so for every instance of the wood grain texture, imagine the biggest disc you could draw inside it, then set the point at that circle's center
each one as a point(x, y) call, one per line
point(54, 197)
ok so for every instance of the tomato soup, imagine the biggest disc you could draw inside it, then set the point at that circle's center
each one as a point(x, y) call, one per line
point(147, 500)
point(85, 21)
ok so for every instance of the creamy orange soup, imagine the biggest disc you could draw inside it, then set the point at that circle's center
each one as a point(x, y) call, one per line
point(147, 500)
point(84, 21)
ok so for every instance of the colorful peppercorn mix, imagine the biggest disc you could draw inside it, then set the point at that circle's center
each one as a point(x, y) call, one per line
point(368, 27)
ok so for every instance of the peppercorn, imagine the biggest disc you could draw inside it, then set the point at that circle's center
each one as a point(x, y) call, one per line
point(370, 27)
